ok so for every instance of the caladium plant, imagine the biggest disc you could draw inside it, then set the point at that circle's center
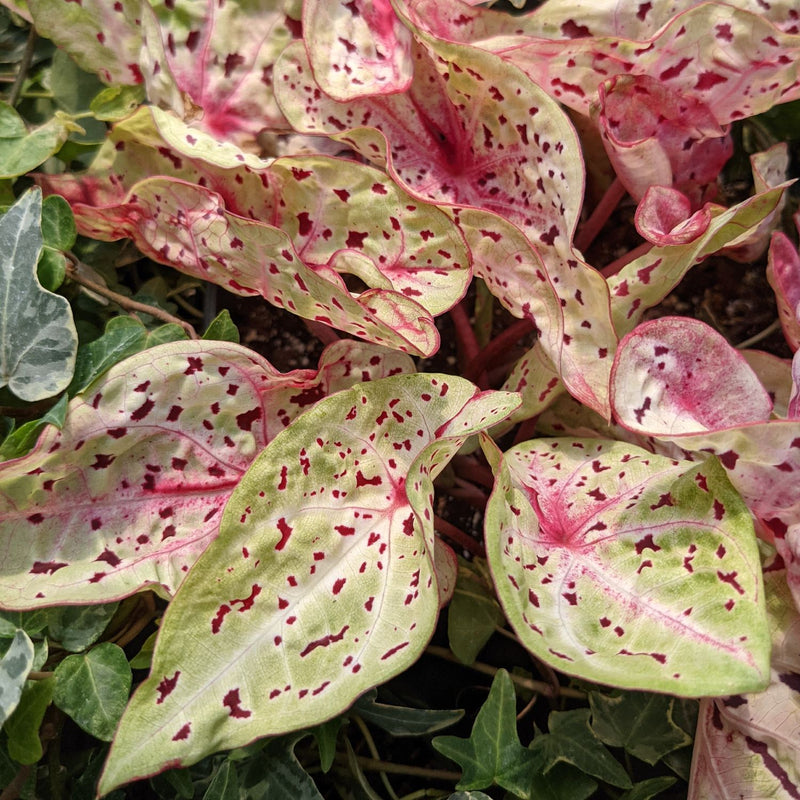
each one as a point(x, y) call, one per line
point(365, 166)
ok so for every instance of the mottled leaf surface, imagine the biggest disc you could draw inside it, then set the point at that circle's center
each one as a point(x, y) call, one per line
point(38, 340)
point(15, 665)
point(783, 273)
point(627, 568)
point(321, 583)
point(131, 490)
point(746, 745)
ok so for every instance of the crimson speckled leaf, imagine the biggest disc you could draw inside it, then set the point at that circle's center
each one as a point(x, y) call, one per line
point(783, 273)
point(101, 36)
point(131, 490)
point(357, 48)
point(627, 568)
point(746, 745)
point(759, 68)
point(288, 229)
point(321, 584)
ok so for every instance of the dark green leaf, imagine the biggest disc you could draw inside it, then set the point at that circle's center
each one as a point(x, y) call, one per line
point(473, 613)
point(51, 269)
point(19, 441)
point(144, 657)
point(77, 627)
point(173, 783)
point(572, 741)
point(326, 735)
point(93, 689)
point(649, 788)
point(32, 622)
point(222, 328)
point(58, 224)
point(171, 332)
point(469, 796)
point(400, 721)
point(225, 784)
point(15, 665)
point(277, 774)
point(493, 754)
point(22, 727)
point(641, 722)
point(562, 782)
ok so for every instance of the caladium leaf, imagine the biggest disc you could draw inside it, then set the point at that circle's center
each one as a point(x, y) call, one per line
point(647, 280)
point(664, 217)
point(677, 375)
point(324, 218)
point(357, 48)
point(656, 135)
point(627, 568)
point(321, 584)
point(783, 274)
point(38, 340)
point(747, 744)
point(101, 36)
point(155, 448)
point(758, 70)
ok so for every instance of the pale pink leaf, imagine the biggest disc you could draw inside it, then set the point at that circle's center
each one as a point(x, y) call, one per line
point(775, 375)
point(357, 48)
point(746, 745)
point(321, 584)
point(131, 490)
point(588, 541)
point(676, 375)
point(664, 217)
point(783, 274)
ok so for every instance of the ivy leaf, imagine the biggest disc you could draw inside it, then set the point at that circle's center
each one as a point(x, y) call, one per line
point(493, 754)
point(225, 783)
point(222, 328)
point(587, 540)
point(15, 665)
point(22, 439)
point(641, 722)
point(279, 774)
point(77, 627)
point(321, 581)
point(572, 741)
point(93, 688)
point(38, 340)
point(645, 790)
point(401, 721)
point(22, 727)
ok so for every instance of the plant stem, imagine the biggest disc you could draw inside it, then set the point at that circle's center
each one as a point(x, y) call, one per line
point(526, 683)
point(373, 765)
point(374, 753)
point(458, 536)
point(468, 347)
point(126, 303)
point(24, 66)
point(768, 331)
point(598, 218)
point(497, 348)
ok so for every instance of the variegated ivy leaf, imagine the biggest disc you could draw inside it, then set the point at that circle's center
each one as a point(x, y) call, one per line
point(746, 745)
point(289, 230)
point(357, 48)
point(758, 71)
point(627, 568)
point(321, 584)
point(100, 35)
point(647, 280)
point(131, 490)
point(212, 62)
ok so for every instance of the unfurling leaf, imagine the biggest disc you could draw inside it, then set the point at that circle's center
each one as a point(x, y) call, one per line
point(321, 584)
point(627, 568)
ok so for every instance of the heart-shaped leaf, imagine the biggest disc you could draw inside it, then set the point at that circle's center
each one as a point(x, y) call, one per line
point(627, 568)
point(155, 449)
point(321, 583)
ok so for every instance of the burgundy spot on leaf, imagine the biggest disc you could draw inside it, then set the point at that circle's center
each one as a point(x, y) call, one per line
point(392, 651)
point(234, 705)
point(730, 577)
point(342, 194)
point(309, 396)
point(663, 500)
point(729, 459)
point(356, 239)
point(46, 567)
point(571, 30)
point(117, 433)
point(285, 530)
point(324, 641)
point(363, 481)
point(36, 519)
point(246, 419)
point(97, 577)
point(183, 733)
point(102, 460)
point(166, 687)
point(247, 602)
point(195, 365)
point(571, 598)
point(344, 530)
point(143, 410)
point(174, 413)
point(110, 558)
point(222, 612)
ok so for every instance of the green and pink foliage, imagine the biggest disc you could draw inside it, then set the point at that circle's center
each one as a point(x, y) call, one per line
point(617, 565)
point(287, 229)
point(131, 490)
point(322, 582)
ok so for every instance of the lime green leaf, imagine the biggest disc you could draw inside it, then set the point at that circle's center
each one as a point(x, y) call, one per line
point(645, 790)
point(93, 688)
point(22, 727)
point(21, 150)
point(641, 722)
point(401, 721)
point(493, 754)
point(225, 784)
point(77, 627)
point(326, 735)
point(15, 665)
point(117, 102)
point(572, 741)
point(222, 328)
point(473, 613)
point(38, 340)
point(144, 657)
